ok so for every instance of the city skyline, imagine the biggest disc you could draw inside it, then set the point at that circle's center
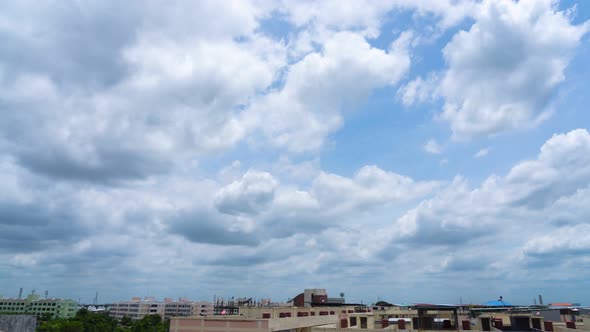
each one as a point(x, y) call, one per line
point(413, 151)
point(258, 301)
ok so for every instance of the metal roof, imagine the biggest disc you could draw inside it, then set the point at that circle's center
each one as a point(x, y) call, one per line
point(498, 304)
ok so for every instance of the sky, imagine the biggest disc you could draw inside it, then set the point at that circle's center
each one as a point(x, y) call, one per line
point(408, 151)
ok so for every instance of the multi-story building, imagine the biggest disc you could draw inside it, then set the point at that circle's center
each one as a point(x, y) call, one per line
point(186, 308)
point(34, 305)
point(138, 308)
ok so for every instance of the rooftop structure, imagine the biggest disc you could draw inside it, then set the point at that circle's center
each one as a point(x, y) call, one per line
point(259, 319)
point(316, 297)
point(498, 303)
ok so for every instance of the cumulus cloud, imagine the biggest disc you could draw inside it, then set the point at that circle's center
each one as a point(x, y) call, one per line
point(209, 228)
point(363, 16)
point(166, 97)
point(251, 194)
point(564, 242)
point(419, 90)
point(116, 121)
point(369, 186)
point(320, 86)
point(529, 199)
point(482, 153)
point(30, 218)
point(432, 147)
point(503, 70)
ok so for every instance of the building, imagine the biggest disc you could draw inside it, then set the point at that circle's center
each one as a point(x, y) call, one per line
point(186, 308)
point(510, 321)
point(34, 305)
point(138, 308)
point(276, 319)
point(310, 309)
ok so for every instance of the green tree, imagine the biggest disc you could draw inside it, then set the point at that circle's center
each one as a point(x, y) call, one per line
point(150, 323)
point(126, 321)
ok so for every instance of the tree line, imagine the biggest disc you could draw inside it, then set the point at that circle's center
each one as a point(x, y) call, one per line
point(86, 321)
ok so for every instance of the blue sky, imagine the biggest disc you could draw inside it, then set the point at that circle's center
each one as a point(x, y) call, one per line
point(409, 151)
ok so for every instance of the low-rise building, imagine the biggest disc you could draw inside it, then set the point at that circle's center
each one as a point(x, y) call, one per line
point(186, 308)
point(310, 309)
point(34, 305)
point(138, 308)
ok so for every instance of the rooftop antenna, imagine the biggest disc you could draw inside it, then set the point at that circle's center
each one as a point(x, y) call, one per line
point(540, 299)
point(96, 298)
point(46, 293)
point(20, 293)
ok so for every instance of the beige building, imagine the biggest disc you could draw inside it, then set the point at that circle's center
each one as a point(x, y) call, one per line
point(269, 319)
point(296, 320)
point(186, 308)
point(138, 308)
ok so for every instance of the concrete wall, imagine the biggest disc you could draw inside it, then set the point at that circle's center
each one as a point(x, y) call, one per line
point(18, 323)
point(237, 324)
point(281, 324)
point(217, 325)
point(275, 312)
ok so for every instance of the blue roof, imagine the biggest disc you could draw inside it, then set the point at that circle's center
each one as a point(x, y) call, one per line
point(498, 304)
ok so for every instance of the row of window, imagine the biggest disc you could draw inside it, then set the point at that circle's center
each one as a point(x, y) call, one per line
point(133, 305)
point(33, 304)
point(127, 310)
point(27, 309)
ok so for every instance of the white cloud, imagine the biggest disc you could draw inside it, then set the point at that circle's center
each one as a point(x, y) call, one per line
point(536, 209)
point(503, 70)
point(317, 88)
point(171, 97)
point(111, 152)
point(364, 16)
point(370, 186)
point(250, 195)
point(432, 147)
point(481, 153)
point(419, 90)
point(570, 240)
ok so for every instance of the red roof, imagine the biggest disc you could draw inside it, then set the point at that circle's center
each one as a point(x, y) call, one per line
point(561, 304)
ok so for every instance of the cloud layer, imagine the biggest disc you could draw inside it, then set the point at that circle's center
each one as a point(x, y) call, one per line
point(168, 149)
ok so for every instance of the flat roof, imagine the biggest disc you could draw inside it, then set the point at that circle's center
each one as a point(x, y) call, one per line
point(429, 306)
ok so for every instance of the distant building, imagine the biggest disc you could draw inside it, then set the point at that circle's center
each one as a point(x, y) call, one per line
point(137, 308)
point(185, 308)
point(34, 305)
point(316, 297)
